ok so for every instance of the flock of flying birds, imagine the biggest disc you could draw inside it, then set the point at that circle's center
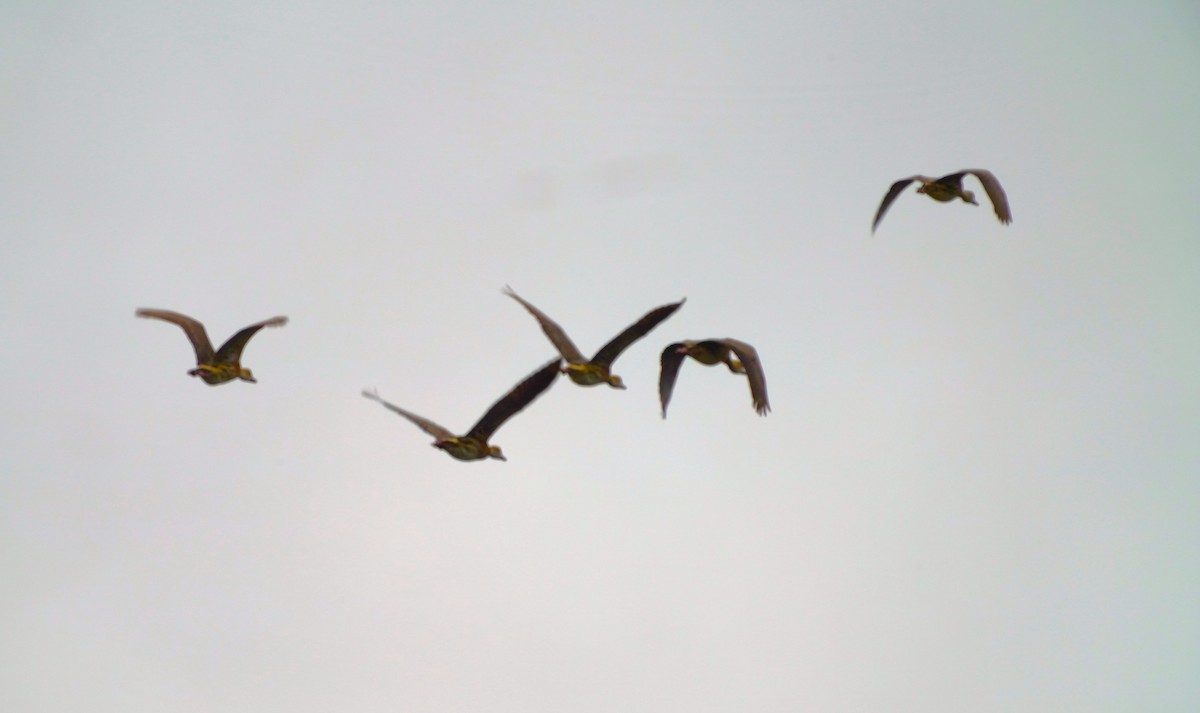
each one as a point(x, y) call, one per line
point(224, 364)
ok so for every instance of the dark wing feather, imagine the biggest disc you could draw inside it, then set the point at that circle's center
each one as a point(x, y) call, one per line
point(995, 193)
point(609, 352)
point(671, 361)
point(952, 180)
point(193, 329)
point(557, 336)
point(521, 396)
point(231, 351)
point(748, 355)
point(433, 429)
point(894, 191)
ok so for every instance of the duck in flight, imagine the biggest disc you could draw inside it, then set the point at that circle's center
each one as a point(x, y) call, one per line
point(597, 370)
point(741, 358)
point(947, 188)
point(474, 444)
point(224, 364)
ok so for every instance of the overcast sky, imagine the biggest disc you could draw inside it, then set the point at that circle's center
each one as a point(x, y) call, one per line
point(978, 489)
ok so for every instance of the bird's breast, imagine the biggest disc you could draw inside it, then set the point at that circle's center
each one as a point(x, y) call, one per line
point(463, 448)
point(587, 374)
point(938, 192)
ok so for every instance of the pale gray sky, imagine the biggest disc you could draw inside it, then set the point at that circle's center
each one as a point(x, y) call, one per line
point(978, 490)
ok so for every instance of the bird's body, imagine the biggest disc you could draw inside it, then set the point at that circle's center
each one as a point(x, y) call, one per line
point(598, 369)
point(225, 363)
point(474, 444)
point(947, 188)
point(711, 352)
point(589, 374)
point(214, 374)
point(467, 448)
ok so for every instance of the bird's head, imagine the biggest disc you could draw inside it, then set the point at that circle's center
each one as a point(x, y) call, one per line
point(494, 452)
point(969, 197)
point(615, 381)
point(245, 375)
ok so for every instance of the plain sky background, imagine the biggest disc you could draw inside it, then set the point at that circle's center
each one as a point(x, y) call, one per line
point(979, 489)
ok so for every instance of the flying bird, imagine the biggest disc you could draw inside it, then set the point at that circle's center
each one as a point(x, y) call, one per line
point(225, 364)
point(474, 444)
point(710, 352)
point(947, 188)
point(587, 372)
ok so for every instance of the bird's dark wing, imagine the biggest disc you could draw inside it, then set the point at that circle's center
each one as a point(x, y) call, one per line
point(748, 355)
point(521, 396)
point(995, 193)
point(231, 351)
point(557, 336)
point(671, 361)
point(193, 329)
point(952, 180)
point(894, 191)
point(609, 352)
point(433, 429)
